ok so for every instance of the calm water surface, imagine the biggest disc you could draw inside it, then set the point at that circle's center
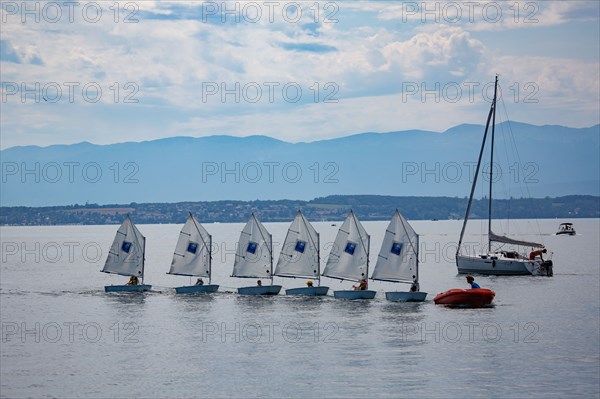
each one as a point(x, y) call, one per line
point(62, 336)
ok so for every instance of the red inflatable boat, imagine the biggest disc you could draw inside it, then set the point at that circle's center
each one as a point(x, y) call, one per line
point(473, 298)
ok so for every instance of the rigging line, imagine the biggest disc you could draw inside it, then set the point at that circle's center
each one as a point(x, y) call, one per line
point(474, 185)
point(519, 164)
point(306, 225)
point(263, 236)
point(408, 235)
point(359, 234)
point(201, 235)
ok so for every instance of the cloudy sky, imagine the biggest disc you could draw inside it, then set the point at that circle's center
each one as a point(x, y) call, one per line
point(108, 72)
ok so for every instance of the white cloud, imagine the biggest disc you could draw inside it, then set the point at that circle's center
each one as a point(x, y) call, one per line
point(370, 56)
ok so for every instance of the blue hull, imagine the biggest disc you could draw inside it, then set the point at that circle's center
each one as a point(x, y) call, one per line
point(260, 290)
point(197, 289)
point(352, 294)
point(127, 288)
point(308, 291)
point(406, 296)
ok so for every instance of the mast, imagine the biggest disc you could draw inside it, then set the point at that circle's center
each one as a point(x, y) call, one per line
point(209, 258)
point(271, 256)
point(143, 260)
point(417, 255)
point(367, 274)
point(492, 167)
point(487, 125)
point(318, 259)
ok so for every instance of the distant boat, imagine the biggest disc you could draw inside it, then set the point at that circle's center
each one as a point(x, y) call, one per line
point(500, 262)
point(192, 257)
point(349, 258)
point(126, 257)
point(300, 257)
point(398, 260)
point(254, 258)
point(566, 229)
point(472, 298)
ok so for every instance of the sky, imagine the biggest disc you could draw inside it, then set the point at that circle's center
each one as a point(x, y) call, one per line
point(108, 72)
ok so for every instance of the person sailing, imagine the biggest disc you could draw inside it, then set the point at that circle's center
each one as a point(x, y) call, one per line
point(133, 280)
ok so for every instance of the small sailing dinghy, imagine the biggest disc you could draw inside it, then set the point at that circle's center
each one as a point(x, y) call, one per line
point(192, 257)
point(471, 298)
point(254, 258)
point(349, 258)
point(300, 257)
point(126, 257)
point(496, 262)
point(398, 260)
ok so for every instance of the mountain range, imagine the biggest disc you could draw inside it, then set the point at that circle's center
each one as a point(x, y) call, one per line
point(552, 161)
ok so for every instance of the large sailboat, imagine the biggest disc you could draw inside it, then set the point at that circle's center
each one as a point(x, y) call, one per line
point(254, 258)
point(300, 257)
point(192, 257)
point(126, 257)
point(398, 260)
point(349, 259)
point(499, 261)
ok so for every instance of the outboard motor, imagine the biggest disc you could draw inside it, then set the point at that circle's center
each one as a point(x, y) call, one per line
point(547, 267)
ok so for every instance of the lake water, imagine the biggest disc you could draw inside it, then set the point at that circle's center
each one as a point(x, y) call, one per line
point(62, 336)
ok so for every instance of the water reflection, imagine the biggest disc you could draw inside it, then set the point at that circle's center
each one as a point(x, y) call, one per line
point(128, 305)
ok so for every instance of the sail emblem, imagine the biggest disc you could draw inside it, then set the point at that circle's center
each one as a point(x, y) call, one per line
point(192, 247)
point(396, 248)
point(300, 246)
point(126, 247)
point(251, 247)
point(350, 247)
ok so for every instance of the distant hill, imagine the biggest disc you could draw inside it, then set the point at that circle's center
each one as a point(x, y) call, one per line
point(335, 207)
point(555, 160)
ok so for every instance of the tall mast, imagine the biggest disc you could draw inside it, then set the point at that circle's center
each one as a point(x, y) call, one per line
point(318, 259)
point(417, 255)
point(487, 125)
point(143, 260)
point(209, 258)
point(368, 248)
point(492, 166)
point(271, 255)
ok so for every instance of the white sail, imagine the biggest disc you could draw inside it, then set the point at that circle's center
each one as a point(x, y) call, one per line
point(508, 240)
point(348, 259)
point(299, 256)
point(397, 259)
point(126, 255)
point(253, 257)
point(192, 252)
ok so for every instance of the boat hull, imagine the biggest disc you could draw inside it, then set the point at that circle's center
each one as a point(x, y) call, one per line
point(127, 288)
point(353, 294)
point(197, 289)
point(496, 266)
point(308, 291)
point(406, 296)
point(472, 298)
point(260, 290)
point(566, 233)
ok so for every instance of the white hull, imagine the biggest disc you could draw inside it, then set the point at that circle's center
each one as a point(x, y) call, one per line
point(406, 296)
point(495, 265)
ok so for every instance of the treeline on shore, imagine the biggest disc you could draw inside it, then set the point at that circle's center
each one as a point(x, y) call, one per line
point(334, 207)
